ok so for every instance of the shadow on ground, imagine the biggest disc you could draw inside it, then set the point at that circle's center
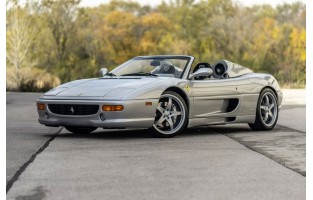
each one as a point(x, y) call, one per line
point(133, 134)
point(191, 132)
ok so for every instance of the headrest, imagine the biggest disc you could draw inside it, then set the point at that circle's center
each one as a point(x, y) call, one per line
point(167, 69)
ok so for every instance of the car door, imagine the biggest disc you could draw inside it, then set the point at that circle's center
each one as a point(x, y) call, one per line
point(216, 97)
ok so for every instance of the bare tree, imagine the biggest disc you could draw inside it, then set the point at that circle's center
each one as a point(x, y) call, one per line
point(21, 36)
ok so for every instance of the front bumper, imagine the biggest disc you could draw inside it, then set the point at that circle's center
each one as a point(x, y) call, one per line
point(134, 115)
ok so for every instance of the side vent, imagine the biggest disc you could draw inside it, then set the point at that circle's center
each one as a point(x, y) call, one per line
point(232, 105)
point(230, 119)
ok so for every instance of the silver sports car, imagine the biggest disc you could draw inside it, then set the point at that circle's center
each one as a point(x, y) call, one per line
point(164, 94)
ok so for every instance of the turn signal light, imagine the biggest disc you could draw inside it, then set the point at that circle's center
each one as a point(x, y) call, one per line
point(112, 107)
point(41, 106)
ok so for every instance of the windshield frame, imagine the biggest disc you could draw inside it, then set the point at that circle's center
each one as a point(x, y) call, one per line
point(187, 66)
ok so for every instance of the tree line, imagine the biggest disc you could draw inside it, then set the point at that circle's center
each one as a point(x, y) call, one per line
point(50, 42)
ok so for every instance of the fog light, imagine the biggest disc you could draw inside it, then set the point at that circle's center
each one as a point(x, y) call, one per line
point(46, 115)
point(102, 117)
point(112, 107)
point(41, 106)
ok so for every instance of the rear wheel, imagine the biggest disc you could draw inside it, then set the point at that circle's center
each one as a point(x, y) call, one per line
point(80, 130)
point(171, 115)
point(267, 111)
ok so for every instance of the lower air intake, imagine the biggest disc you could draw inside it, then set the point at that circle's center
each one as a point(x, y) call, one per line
point(73, 109)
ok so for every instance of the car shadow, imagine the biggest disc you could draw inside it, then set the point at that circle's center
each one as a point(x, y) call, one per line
point(128, 134)
point(132, 133)
point(244, 128)
point(108, 134)
point(232, 129)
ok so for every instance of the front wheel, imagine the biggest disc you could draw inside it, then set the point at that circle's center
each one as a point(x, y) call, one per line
point(267, 111)
point(171, 115)
point(79, 129)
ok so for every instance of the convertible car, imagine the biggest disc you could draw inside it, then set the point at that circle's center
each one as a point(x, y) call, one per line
point(164, 94)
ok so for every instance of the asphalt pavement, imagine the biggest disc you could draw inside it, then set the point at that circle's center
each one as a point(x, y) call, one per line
point(25, 136)
point(218, 162)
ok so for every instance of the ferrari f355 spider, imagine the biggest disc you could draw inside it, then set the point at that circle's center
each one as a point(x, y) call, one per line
point(164, 94)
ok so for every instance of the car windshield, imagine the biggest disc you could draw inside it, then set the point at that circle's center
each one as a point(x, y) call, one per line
point(152, 66)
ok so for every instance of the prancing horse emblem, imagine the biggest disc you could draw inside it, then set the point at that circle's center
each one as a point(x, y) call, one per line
point(72, 109)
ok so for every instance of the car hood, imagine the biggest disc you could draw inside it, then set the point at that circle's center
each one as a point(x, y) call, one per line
point(100, 87)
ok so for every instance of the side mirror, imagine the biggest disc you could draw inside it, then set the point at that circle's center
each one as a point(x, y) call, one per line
point(103, 72)
point(201, 72)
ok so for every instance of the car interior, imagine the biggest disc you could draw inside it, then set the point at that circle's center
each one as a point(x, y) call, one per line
point(199, 66)
point(219, 71)
point(167, 70)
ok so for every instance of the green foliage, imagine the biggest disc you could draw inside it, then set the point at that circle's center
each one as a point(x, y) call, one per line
point(72, 42)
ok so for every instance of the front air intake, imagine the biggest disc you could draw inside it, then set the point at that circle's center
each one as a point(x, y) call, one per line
point(73, 109)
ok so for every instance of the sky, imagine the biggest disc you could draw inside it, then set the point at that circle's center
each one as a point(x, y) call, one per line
point(91, 3)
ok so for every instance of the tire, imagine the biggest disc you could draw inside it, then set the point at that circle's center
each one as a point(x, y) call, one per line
point(171, 115)
point(79, 129)
point(266, 112)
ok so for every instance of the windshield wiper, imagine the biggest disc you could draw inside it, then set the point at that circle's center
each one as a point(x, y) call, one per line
point(139, 74)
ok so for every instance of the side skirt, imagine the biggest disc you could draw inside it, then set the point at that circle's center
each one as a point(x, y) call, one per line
point(220, 120)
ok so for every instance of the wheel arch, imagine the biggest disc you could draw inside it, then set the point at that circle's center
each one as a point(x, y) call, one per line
point(271, 88)
point(181, 93)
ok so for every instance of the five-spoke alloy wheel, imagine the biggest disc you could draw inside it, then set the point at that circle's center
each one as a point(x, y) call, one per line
point(267, 111)
point(171, 115)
